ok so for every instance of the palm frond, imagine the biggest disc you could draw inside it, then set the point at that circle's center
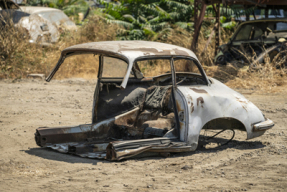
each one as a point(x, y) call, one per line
point(123, 32)
point(150, 9)
point(137, 32)
point(109, 17)
point(184, 25)
point(161, 11)
point(159, 26)
point(148, 31)
point(144, 20)
point(154, 20)
point(174, 15)
point(165, 31)
point(177, 5)
point(124, 24)
point(129, 17)
point(229, 25)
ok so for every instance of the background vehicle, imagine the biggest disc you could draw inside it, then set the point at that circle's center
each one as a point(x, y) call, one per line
point(254, 37)
point(44, 25)
point(260, 14)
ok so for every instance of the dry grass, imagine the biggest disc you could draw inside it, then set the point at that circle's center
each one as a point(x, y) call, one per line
point(19, 58)
point(15, 52)
point(268, 78)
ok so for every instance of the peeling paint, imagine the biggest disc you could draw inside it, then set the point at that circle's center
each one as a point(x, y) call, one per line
point(198, 90)
point(191, 108)
point(200, 100)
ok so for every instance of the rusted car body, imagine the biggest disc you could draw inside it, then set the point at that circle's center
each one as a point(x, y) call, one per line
point(254, 38)
point(135, 115)
point(44, 25)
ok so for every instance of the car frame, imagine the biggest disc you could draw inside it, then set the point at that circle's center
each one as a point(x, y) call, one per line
point(201, 103)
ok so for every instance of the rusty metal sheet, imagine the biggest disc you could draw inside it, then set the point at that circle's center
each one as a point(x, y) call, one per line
point(127, 149)
point(47, 136)
point(118, 150)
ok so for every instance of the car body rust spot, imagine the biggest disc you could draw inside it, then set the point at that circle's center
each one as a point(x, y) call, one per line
point(178, 106)
point(148, 51)
point(198, 90)
point(191, 107)
point(200, 100)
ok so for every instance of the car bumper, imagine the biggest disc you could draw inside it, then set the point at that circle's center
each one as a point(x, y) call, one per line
point(268, 124)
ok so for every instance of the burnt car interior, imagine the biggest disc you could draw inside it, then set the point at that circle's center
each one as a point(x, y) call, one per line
point(147, 103)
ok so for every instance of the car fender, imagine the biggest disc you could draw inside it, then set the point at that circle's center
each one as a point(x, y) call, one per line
point(217, 101)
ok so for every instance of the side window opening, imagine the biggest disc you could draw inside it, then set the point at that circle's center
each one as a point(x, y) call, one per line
point(79, 66)
point(257, 33)
point(114, 68)
point(188, 73)
point(281, 26)
point(154, 67)
point(186, 65)
point(244, 33)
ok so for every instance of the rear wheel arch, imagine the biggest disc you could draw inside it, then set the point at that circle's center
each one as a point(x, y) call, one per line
point(224, 123)
point(221, 123)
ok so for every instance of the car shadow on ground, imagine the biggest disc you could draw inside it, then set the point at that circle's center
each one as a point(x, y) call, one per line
point(50, 154)
point(216, 145)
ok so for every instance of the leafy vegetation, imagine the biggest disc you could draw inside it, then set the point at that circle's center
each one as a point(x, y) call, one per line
point(143, 19)
point(70, 7)
point(18, 57)
point(168, 21)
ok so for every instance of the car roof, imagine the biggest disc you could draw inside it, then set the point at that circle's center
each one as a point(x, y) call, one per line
point(32, 10)
point(130, 50)
point(266, 20)
point(126, 50)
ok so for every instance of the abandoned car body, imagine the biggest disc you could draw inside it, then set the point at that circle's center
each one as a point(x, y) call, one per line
point(133, 114)
point(254, 38)
point(44, 25)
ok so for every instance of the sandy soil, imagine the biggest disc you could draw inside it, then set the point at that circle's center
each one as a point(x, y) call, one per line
point(255, 165)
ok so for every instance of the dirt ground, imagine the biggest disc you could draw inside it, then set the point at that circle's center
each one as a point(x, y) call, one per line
point(255, 165)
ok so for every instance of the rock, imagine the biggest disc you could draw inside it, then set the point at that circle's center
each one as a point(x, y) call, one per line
point(186, 167)
point(149, 186)
point(40, 76)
